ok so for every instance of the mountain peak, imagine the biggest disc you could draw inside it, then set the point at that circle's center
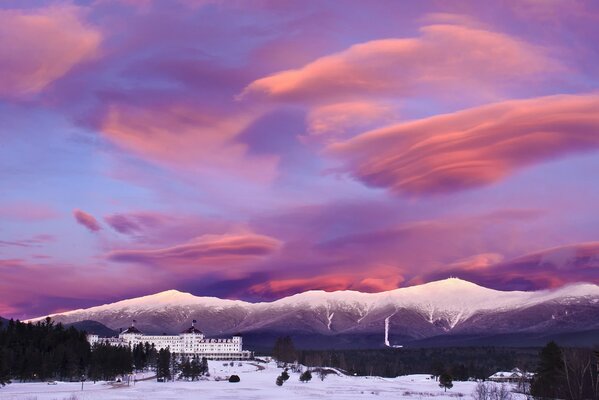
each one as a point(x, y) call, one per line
point(170, 293)
point(453, 282)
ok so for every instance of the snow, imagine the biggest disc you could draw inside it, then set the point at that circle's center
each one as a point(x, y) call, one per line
point(452, 300)
point(330, 320)
point(387, 331)
point(158, 301)
point(255, 384)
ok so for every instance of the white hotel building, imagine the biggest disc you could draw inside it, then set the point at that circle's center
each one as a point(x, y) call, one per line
point(190, 342)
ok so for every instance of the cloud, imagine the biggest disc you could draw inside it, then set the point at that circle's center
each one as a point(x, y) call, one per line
point(444, 55)
point(68, 286)
point(472, 148)
point(133, 223)
point(339, 118)
point(87, 220)
point(188, 137)
point(40, 46)
point(547, 268)
point(205, 251)
point(386, 278)
point(477, 261)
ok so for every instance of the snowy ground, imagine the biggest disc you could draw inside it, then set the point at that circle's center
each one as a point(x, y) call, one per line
point(255, 384)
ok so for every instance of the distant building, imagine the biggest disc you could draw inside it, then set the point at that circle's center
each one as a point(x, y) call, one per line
point(190, 342)
point(514, 376)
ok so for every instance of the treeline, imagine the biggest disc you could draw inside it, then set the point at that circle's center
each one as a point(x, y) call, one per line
point(49, 351)
point(461, 363)
point(169, 366)
point(42, 351)
point(566, 373)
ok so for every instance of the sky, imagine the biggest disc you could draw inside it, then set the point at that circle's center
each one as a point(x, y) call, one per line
point(256, 149)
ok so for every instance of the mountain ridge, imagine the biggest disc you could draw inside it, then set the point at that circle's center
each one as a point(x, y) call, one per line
point(158, 298)
point(443, 308)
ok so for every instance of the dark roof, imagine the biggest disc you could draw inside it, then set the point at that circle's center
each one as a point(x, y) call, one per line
point(131, 329)
point(192, 330)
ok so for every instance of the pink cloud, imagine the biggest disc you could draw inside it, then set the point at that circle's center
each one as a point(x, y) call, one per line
point(552, 267)
point(474, 147)
point(164, 229)
point(444, 55)
point(477, 261)
point(67, 286)
point(187, 137)
point(386, 278)
point(41, 46)
point(206, 251)
point(87, 220)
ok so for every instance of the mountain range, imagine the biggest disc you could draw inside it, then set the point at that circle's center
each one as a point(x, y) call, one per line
point(441, 313)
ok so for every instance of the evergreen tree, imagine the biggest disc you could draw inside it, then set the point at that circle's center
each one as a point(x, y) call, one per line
point(285, 375)
point(284, 350)
point(196, 368)
point(185, 368)
point(4, 371)
point(163, 365)
point(204, 366)
point(445, 381)
point(306, 376)
point(108, 362)
point(548, 381)
point(41, 351)
point(140, 356)
point(279, 380)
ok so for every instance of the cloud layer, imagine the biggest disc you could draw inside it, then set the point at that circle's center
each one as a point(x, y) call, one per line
point(42, 45)
point(256, 149)
point(474, 147)
point(207, 251)
point(443, 56)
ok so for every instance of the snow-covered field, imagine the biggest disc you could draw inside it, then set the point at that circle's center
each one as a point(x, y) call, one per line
point(256, 383)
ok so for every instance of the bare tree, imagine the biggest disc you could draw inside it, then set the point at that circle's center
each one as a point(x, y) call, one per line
point(491, 391)
point(577, 367)
point(322, 373)
point(595, 375)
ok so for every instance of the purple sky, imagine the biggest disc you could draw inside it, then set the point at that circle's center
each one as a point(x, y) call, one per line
point(255, 149)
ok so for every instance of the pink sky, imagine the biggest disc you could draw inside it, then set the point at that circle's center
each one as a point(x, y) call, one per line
point(256, 149)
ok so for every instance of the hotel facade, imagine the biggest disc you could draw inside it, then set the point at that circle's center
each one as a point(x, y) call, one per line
point(191, 342)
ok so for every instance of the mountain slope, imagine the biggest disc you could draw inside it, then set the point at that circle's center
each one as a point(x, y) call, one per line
point(93, 327)
point(449, 309)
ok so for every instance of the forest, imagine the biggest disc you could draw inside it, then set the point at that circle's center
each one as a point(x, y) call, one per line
point(565, 373)
point(47, 351)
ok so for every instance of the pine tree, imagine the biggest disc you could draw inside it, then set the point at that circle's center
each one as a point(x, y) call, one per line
point(549, 379)
point(163, 365)
point(195, 368)
point(306, 376)
point(284, 350)
point(445, 381)
point(204, 366)
point(185, 367)
point(4, 371)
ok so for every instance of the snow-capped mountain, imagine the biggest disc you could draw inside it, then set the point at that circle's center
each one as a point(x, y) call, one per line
point(449, 309)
